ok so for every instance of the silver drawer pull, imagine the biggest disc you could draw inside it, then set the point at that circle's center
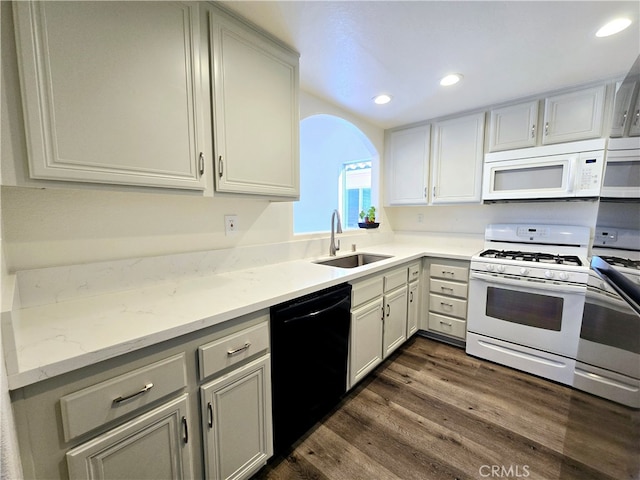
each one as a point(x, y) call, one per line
point(447, 272)
point(445, 323)
point(240, 349)
point(144, 389)
point(447, 288)
point(445, 304)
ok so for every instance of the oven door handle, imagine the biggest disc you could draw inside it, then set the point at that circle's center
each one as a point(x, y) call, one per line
point(548, 287)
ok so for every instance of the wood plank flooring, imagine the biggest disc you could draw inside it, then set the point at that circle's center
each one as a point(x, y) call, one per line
point(432, 412)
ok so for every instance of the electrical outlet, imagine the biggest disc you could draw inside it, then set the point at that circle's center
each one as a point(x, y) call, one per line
point(420, 218)
point(230, 225)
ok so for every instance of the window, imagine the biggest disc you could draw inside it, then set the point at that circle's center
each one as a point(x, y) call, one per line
point(355, 195)
point(337, 171)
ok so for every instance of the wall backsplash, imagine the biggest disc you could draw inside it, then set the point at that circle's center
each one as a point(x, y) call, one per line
point(472, 219)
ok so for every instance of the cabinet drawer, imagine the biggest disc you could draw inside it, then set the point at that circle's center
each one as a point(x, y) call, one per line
point(365, 290)
point(448, 305)
point(395, 279)
point(91, 407)
point(232, 349)
point(449, 272)
point(447, 325)
point(414, 272)
point(445, 287)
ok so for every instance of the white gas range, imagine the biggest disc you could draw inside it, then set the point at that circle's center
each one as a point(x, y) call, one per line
point(526, 295)
point(608, 358)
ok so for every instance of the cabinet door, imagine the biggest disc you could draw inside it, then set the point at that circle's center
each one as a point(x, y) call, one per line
point(110, 92)
point(574, 116)
point(623, 109)
point(395, 320)
point(237, 421)
point(413, 313)
point(634, 127)
point(151, 446)
point(408, 166)
point(513, 127)
point(256, 119)
point(456, 156)
point(366, 340)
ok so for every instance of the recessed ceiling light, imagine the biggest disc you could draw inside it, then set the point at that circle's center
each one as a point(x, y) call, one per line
point(613, 27)
point(451, 79)
point(382, 99)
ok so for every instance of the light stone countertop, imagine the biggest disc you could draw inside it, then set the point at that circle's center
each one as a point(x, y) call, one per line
point(56, 338)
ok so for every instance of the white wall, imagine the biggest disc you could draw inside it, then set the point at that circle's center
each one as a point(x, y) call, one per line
point(472, 219)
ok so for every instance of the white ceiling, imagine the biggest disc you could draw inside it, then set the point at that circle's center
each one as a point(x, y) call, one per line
point(353, 50)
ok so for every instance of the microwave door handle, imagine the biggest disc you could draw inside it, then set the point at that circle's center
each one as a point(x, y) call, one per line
point(526, 284)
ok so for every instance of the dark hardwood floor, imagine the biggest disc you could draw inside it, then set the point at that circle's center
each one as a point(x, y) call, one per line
point(432, 412)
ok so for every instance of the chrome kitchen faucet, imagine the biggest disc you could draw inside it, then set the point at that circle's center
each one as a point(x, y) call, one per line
point(333, 247)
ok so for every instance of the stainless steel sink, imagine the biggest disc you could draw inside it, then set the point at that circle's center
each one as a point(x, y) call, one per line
point(352, 261)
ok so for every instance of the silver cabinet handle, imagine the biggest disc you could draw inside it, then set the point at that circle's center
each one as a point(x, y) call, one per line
point(185, 430)
point(637, 118)
point(445, 304)
point(410, 297)
point(447, 272)
point(239, 349)
point(434, 191)
point(388, 309)
point(624, 118)
point(220, 166)
point(201, 163)
point(210, 415)
point(447, 288)
point(533, 131)
point(144, 389)
point(445, 323)
point(546, 129)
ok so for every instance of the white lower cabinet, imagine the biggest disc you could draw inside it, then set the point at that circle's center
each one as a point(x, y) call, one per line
point(446, 292)
point(413, 308)
point(366, 339)
point(379, 309)
point(236, 411)
point(196, 406)
point(154, 446)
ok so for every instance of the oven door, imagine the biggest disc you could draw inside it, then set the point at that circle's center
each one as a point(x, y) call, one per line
point(542, 315)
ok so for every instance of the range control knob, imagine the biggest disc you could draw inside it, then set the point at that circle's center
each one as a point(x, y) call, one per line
point(563, 276)
point(489, 267)
point(548, 274)
point(500, 268)
point(524, 271)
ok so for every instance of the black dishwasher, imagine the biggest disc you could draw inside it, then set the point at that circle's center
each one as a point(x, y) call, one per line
point(309, 355)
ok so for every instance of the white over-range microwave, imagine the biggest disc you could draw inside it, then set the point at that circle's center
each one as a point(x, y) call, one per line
point(564, 171)
point(622, 170)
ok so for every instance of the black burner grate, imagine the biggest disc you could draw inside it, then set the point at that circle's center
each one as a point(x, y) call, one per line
point(533, 257)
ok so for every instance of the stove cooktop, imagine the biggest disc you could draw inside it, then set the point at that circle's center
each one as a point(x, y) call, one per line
point(539, 257)
point(621, 262)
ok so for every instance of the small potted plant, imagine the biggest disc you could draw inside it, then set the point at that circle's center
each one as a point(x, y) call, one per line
point(368, 218)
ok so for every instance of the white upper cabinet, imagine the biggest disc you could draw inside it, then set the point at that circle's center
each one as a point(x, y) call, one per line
point(408, 166)
point(623, 111)
point(574, 116)
point(513, 127)
point(456, 154)
point(111, 92)
point(255, 111)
